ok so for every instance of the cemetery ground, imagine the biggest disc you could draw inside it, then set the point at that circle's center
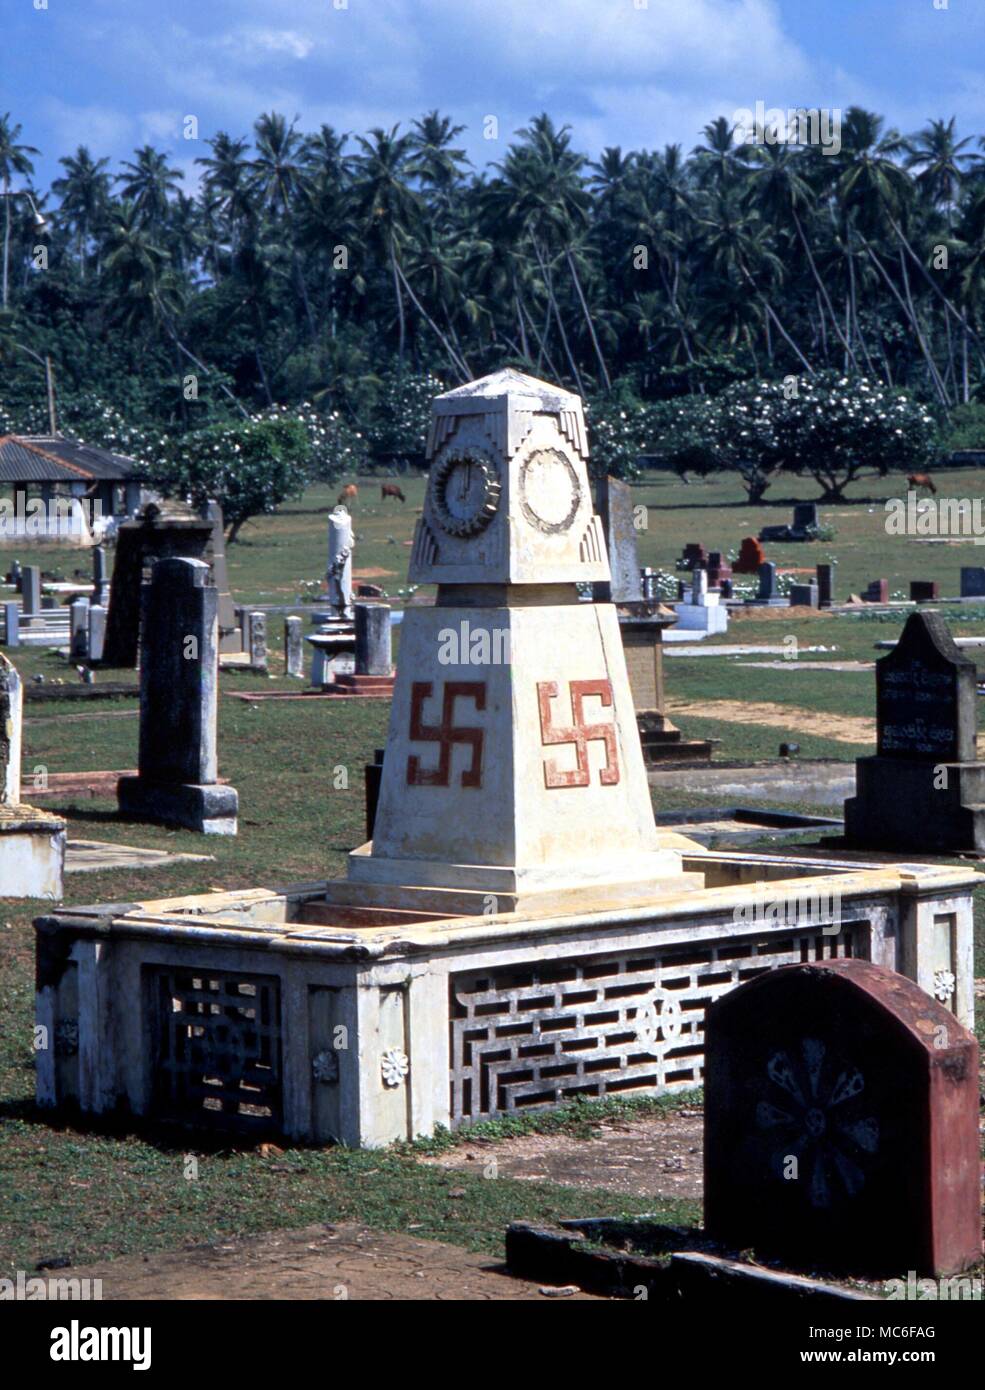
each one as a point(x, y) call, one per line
point(91, 1194)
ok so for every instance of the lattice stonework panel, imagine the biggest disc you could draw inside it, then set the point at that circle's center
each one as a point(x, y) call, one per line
point(216, 1048)
point(533, 1035)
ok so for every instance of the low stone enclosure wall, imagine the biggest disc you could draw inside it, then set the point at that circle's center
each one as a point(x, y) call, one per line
point(278, 1011)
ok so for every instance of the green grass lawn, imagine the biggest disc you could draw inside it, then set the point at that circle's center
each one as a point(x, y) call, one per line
point(92, 1194)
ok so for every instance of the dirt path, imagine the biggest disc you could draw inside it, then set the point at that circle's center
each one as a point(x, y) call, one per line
point(842, 728)
point(653, 1156)
point(319, 1262)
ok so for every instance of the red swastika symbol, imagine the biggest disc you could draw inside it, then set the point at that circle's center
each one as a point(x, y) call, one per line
point(445, 733)
point(580, 733)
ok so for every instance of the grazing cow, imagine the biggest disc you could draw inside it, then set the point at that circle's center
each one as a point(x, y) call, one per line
point(391, 490)
point(348, 494)
point(916, 480)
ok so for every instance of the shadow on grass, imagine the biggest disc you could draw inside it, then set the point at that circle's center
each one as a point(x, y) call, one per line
point(165, 1136)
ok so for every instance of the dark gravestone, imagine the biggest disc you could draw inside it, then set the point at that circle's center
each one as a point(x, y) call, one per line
point(924, 590)
point(179, 661)
point(877, 592)
point(767, 582)
point(841, 1122)
point(165, 530)
point(31, 590)
point(924, 789)
point(804, 595)
point(805, 516)
point(972, 581)
point(719, 569)
point(825, 585)
point(614, 504)
point(926, 695)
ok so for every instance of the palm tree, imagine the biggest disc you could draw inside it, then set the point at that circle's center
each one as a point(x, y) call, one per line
point(281, 177)
point(14, 159)
point(228, 182)
point(440, 167)
point(385, 205)
point(149, 183)
point(146, 293)
point(938, 155)
point(84, 195)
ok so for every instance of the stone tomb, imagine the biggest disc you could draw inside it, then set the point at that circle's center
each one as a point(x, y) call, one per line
point(841, 1123)
point(518, 931)
point(32, 842)
point(925, 787)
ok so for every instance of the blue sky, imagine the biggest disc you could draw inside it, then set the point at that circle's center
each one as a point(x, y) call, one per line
point(638, 73)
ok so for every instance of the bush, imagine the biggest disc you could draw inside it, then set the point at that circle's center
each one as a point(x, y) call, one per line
point(250, 467)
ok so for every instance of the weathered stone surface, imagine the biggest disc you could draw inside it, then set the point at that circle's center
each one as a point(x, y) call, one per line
point(177, 762)
point(925, 788)
point(614, 504)
point(293, 648)
point(32, 842)
point(841, 1122)
point(31, 590)
point(373, 649)
point(164, 530)
point(11, 705)
point(339, 574)
point(926, 695)
point(257, 639)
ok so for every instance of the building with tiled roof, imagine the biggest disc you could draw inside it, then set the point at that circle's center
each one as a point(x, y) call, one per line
point(33, 466)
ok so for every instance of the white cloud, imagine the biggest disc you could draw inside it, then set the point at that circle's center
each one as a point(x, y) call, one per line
point(258, 45)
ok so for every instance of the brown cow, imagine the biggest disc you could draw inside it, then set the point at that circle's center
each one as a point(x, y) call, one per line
point(348, 494)
point(391, 490)
point(916, 480)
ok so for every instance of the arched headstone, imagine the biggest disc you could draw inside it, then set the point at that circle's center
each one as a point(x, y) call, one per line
point(841, 1122)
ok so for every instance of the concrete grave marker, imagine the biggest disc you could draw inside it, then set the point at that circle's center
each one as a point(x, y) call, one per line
point(925, 788)
point(32, 842)
point(841, 1122)
point(177, 778)
point(31, 591)
point(293, 648)
point(528, 709)
point(614, 504)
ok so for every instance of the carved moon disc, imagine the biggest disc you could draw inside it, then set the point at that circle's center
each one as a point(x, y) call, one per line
point(550, 493)
point(465, 492)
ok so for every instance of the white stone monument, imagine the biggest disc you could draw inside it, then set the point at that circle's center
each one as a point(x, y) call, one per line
point(513, 771)
point(32, 842)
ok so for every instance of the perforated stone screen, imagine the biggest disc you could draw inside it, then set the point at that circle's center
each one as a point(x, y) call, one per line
point(216, 1048)
point(533, 1035)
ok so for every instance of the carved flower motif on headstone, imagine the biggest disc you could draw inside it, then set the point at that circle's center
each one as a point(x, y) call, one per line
point(394, 1065)
point(944, 983)
point(67, 1037)
point(325, 1067)
point(817, 1123)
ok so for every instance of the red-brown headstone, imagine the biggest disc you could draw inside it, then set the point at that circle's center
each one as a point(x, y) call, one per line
point(750, 557)
point(841, 1122)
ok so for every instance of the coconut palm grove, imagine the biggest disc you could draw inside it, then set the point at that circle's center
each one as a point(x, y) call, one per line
point(705, 301)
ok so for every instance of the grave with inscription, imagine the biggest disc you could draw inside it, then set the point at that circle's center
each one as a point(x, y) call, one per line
point(841, 1123)
point(513, 933)
point(925, 788)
